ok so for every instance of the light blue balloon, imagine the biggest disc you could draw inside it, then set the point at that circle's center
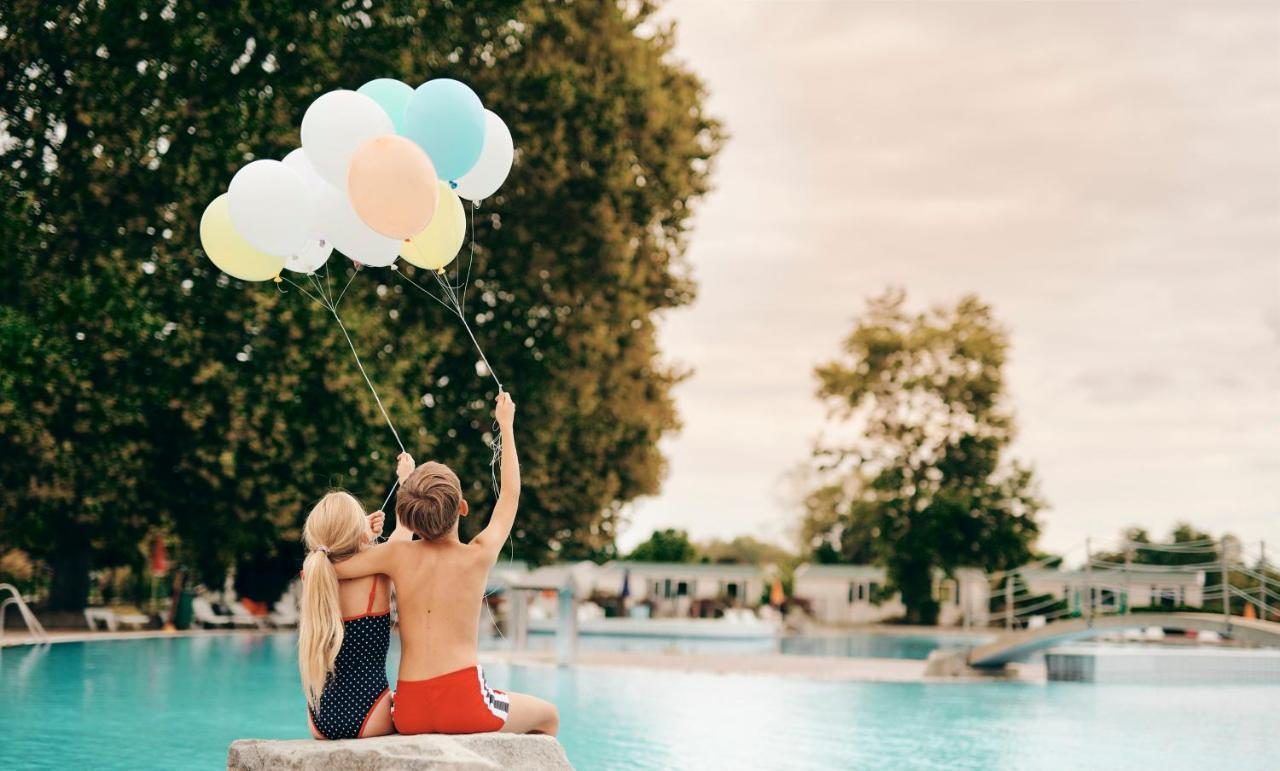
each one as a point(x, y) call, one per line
point(391, 95)
point(446, 119)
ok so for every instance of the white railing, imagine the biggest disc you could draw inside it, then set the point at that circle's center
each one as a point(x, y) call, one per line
point(1022, 606)
point(34, 627)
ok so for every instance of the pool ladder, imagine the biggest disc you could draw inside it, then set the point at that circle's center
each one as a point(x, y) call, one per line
point(34, 627)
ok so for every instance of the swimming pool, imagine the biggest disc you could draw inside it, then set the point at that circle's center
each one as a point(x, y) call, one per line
point(178, 702)
point(877, 644)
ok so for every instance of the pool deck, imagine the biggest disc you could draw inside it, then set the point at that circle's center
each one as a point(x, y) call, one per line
point(821, 668)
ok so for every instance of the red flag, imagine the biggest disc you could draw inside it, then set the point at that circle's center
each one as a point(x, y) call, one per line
point(159, 560)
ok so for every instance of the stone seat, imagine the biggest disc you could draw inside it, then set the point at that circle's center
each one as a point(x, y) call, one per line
point(469, 752)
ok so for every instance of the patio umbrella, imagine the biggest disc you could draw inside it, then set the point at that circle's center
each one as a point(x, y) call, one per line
point(776, 597)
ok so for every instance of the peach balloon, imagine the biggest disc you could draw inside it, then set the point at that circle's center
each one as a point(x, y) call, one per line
point(392, 185)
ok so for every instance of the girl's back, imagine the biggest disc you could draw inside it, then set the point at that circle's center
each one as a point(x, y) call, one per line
point(344, 629)
point(355, 701)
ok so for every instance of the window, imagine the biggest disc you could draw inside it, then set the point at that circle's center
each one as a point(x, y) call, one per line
point(682, 589)
point(666, 588)
point(852, 592)
point(944, 592)
point(731, 590)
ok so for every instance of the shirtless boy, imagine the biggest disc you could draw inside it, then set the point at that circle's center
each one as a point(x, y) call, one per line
point(440, 583)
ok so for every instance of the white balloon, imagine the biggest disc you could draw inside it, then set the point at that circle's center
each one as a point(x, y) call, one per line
point(270, 207)
point(300, 163)
point(349, 235)
point(495, 161)
point(335, 125)
point(315, 252)
point(310, 257)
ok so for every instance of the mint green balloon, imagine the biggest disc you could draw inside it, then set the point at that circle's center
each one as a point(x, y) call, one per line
point(391, 95)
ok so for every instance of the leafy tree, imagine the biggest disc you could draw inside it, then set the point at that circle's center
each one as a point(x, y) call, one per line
point(140, 388)
point(1185, 546)
point(744, 550)
point(837, 528)
point(668, 545)
point(924, 484)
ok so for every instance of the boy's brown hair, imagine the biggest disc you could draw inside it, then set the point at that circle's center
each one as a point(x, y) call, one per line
point(429, 499)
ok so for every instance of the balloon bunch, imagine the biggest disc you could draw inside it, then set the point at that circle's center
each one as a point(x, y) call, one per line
point(378, 177)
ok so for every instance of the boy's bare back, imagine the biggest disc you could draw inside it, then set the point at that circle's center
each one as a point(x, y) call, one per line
point(439, 591)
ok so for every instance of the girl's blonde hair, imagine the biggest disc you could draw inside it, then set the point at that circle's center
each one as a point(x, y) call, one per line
point(336, 528)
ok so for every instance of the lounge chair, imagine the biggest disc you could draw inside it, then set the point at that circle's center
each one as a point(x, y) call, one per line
point(104, 616)
point(240, 616)
point(285, 613)
point(111, 619)
point(132, 617)
point(202, 613)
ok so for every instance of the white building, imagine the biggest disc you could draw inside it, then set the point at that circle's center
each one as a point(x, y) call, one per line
point(855, 594)
point(670, 588)
point(1114, 590)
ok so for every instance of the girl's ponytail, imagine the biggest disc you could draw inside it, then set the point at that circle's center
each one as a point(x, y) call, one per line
point(335, 529)
point(319, 623)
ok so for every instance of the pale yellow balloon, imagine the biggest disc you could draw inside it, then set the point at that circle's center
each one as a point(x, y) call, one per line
point(437, 245)
point(229, 251)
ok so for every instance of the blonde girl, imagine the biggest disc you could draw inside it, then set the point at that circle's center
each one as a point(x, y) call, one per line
point(344, 627)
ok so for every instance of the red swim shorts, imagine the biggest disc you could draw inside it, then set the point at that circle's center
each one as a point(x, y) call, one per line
point(457, 703)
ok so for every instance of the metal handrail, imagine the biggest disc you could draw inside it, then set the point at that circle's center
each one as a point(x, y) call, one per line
point(34, 627)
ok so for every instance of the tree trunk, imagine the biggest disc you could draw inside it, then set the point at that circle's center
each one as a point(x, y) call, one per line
point(915, 584)
point(70, 563)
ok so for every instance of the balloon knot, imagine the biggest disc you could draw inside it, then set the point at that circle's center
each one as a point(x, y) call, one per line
point(277, 279)
point(453, 185)
point(358, 265)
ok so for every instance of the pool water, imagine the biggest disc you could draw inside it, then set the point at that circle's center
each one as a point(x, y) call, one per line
point(179, 702)
point(879, 645)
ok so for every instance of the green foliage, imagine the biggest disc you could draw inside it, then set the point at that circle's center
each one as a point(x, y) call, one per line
point(668, 545)
point(744, 550)
point(1191, 546)
point(139, 387)
point(923, 485)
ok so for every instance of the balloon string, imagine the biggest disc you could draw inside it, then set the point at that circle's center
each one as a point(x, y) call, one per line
point(367, 381)
point(332, 307)
point(451, 303)
point(470, 259)
point(343, 293)
point(457, 306)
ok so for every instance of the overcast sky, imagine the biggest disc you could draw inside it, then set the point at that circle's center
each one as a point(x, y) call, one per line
point(1107, 175)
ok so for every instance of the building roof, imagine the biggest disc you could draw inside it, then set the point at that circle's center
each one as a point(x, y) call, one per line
point(708, 569)
point(841, 572)
point(1139, 575)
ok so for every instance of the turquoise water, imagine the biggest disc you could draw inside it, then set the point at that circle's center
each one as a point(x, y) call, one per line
point(877, 645)
point(178, 702)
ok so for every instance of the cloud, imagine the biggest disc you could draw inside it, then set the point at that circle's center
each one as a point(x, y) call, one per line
point(1104, 174)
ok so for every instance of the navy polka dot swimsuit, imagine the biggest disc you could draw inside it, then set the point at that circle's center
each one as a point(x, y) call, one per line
point(359, 677)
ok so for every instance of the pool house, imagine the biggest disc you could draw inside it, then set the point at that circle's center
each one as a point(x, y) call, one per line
point(1117, 590)
point(856, 594)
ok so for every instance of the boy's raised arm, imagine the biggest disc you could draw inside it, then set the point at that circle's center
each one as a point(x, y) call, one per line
point(495, 533)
